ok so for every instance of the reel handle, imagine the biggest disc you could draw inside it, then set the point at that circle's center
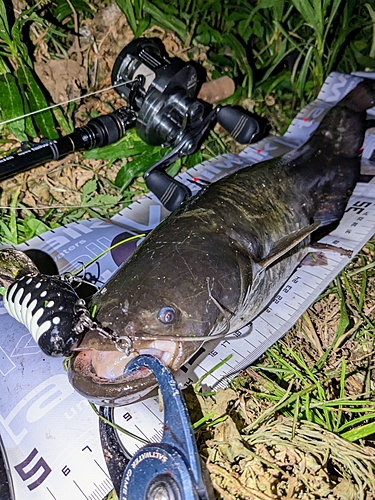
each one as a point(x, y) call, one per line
point(238, 124)
point(169, 191)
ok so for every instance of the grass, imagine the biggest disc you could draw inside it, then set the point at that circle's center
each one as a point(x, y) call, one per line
point(301, 421)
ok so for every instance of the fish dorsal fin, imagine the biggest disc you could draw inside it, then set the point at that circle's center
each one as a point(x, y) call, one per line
point(284, 245)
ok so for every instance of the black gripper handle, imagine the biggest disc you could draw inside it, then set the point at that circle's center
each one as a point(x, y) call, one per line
point(170, 192)
point(238, 124)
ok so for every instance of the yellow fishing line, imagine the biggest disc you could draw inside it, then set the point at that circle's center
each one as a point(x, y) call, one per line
point(126, 240)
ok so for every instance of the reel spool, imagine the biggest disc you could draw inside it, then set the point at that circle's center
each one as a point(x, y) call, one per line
point(165, 101)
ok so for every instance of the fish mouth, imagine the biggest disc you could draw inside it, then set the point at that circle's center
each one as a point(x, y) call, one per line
point(98, 374)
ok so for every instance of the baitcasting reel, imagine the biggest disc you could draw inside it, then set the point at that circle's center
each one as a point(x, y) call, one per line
point(161, 93)
point(169, 470)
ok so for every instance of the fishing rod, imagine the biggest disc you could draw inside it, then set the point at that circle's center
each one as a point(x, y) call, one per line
point(162, 106)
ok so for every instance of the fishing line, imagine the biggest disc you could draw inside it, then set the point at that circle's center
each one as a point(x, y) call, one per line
point(118, 427)
point(176, 338)
point(92, 261)
point(106, 89)
point(66, 207)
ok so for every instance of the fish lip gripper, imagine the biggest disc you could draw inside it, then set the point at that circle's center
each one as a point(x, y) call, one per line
point(169, 469)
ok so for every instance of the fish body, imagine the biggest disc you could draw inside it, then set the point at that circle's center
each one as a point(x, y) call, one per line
point(216, 263)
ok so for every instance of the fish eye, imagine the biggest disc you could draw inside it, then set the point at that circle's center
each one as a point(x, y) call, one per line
point(167, 315)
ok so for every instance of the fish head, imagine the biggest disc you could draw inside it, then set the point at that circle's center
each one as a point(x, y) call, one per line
point(161, 307)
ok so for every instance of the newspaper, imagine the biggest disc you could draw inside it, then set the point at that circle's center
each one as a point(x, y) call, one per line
point(49, 432)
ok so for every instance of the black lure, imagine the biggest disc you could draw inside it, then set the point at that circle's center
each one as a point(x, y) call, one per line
point(51, 310)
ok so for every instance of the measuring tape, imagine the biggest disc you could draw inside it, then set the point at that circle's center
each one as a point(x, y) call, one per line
point(50, 434)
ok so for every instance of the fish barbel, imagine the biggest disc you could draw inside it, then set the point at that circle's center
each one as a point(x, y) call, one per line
point(216, 263)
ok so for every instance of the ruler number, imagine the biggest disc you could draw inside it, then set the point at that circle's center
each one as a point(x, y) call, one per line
point(40, 464)
point(65, 470)
point(278, 299)
point(237, 334)
point(188, 382)
point(359, 207)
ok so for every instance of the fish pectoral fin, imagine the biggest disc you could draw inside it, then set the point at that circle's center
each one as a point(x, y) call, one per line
point(284, 245)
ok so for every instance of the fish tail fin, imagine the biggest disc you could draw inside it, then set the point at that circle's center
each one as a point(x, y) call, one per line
point(361, 98)
point(339, 140)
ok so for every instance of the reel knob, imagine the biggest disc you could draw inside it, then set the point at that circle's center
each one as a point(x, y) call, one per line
point(169, 191)
point(238, 124)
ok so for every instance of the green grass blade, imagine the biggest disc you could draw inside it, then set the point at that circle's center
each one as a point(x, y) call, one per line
point(11, 105)
point(304, 71)
point(359, 432)
point(342, 326)
point(3, 67)
point(4, 26)
point(198, 384)
point(355, 421)
point(313, 17)
point(342, 393)
point(127, 8)
point(44, 120)
point(168, 22)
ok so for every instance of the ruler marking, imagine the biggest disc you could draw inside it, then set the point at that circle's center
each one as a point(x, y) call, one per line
point(262, 334)
point(212, 375)
point(83, 493)
point(284, 319)
point(248, 341)
point(240, 355)
point(103, 470)
point(94, 495)
point(230, 366)
point(319, 278)
point(100, 488)
point(269, 324)
point(109, 484)
point(105, 487)
point(140, 430)
point(157, 436)
point(295, 309)
point(98, 491)
point(153, 413)
point(50, 492)
point(309, 286)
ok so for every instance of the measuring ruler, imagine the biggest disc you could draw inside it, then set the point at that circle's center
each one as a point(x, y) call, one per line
point(49, 432)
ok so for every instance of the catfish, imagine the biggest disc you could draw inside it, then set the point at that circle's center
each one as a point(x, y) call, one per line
point(217, 262)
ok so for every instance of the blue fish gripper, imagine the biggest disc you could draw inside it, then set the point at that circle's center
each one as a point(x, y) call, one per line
point(169, 470)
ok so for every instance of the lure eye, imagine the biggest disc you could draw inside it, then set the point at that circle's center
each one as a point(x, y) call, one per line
point(167, 315)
